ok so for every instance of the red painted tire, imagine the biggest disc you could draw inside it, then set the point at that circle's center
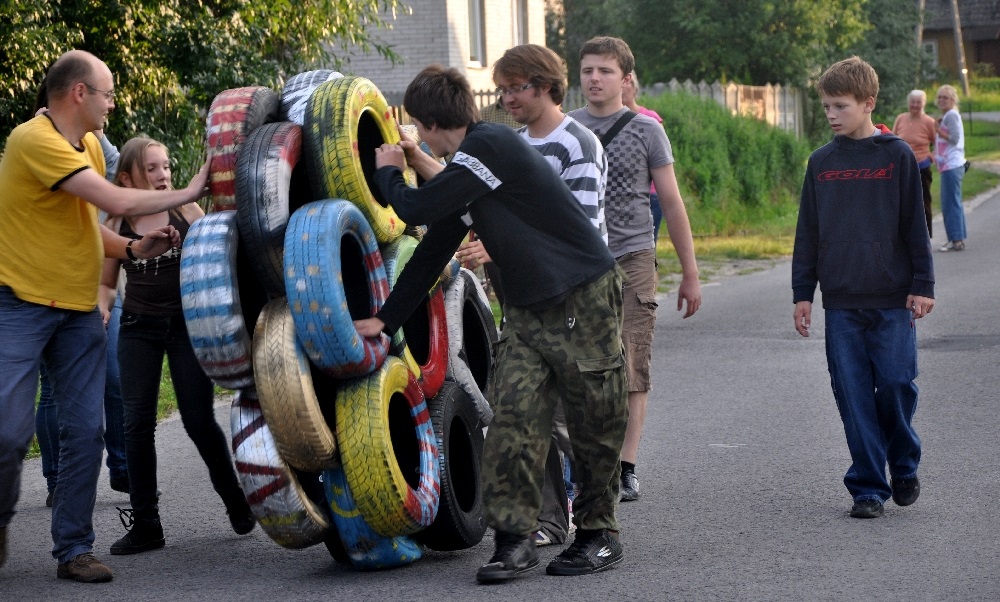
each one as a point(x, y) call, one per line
point(423, 339)
point(234, 114)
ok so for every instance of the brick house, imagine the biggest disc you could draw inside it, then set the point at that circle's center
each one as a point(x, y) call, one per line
point(467, 34)
point(980, 21)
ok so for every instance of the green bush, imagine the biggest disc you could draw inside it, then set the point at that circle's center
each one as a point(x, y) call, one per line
point(737, 174)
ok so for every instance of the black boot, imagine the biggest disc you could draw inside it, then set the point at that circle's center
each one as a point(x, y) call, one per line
point(240, 515)
point(144, 534)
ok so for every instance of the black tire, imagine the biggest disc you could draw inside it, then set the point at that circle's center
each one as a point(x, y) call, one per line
point(460, 523)
point(233, 115)
point(472, 333)
point(297, 90)
point(271, 183)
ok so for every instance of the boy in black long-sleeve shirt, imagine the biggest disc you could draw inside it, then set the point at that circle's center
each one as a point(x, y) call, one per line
point(563, 309)
point(862, 236)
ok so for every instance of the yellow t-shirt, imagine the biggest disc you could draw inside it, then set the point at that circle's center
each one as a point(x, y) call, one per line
point(51, 250)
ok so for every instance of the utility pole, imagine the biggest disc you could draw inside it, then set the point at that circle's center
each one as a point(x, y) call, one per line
point(963, 71)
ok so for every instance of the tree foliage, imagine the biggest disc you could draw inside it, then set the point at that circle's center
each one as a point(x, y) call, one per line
point(747, 41)
point(170, 58)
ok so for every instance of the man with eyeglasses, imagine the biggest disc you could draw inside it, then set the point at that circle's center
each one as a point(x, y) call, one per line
point(531, 82)
point(52, 175)
point(562, 337)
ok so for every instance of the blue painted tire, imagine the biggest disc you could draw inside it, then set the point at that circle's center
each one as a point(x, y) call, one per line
point(221, 300)
point(388, 449)
point(366, 549)
point(472, 333)
point(282, 502)
point(333, 276)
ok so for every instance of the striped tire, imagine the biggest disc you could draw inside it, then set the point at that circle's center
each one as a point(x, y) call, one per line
point(297, 406)
point(297, 90)
point(271, 183)
point(472, 333)
point(290, 515)
point(221, 300)
point(366, 549)
point(388, 450)
point(460, 523)
point(233, 115)
point(334, 275)
point(346, 120)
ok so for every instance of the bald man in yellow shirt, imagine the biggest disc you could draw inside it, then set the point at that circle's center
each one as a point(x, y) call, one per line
point(52, 178)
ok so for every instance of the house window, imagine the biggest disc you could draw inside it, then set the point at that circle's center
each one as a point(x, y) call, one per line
point(930, 48)
point(477, 32)
point(520, 12)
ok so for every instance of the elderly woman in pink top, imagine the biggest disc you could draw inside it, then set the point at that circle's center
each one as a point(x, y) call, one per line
point(630, 91)
point(918, 130)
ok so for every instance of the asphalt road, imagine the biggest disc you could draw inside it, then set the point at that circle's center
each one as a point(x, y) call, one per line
point(741, 469)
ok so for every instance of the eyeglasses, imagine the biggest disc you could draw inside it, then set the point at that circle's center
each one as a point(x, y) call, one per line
point(501, 91)
point(108, 94)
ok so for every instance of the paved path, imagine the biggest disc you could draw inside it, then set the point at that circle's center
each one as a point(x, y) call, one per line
point(741, 469)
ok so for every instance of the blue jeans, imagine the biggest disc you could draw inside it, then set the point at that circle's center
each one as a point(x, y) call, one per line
point(657, 211)
point(47, 419)
point(951, 203)
point(872, 356)
point(72, 345)
point(142, 342)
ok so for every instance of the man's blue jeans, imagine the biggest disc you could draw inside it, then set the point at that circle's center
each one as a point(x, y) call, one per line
point(951, 203)
point(47, 417)
point(872, 356)
point(72, 344)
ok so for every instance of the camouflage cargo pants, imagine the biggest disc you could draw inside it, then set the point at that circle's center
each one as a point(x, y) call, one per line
point(571, 351)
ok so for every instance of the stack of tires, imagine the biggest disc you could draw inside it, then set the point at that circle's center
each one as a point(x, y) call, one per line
point(369, 446)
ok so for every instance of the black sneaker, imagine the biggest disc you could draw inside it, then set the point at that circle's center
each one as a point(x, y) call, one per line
point(143, 535)
point(591, 552)
point(630, 487)
point(49, 498)
point(514, 555)
point(120, 483)
point(905, 491)
point(867, 509)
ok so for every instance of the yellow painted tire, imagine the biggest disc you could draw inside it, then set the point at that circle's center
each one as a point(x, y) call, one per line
point(345, 121)
point(288, 395)
point(388, 450)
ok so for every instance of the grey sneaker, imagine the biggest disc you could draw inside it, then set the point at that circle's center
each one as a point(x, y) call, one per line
point(630, 487)
point(514, 555)
point(85, 568)
point(591, 552)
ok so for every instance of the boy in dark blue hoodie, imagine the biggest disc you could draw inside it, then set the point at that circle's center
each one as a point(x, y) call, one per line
point(862, 236)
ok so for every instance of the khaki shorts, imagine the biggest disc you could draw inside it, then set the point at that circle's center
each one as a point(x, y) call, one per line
point(640, 316)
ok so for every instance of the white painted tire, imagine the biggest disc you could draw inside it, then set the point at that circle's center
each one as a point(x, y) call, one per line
point(278, 497)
